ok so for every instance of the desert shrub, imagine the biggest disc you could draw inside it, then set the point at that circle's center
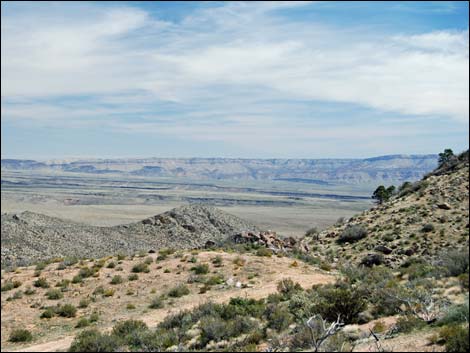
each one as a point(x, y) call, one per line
point(214, 280)
point(112, 264)
point(93, 341)
point(217, 261)
point(48, 313)
point(116, 279)
point(312, 232)
point(166, 251)
point(109, 292)
point(264, 252)
point(66, 310)
point(54, 294)
point(70, 261)
point(64, 283)
point(84, 302)
point(464, 281)
point(301, 306)
point(455, 262)
point(29, 291)
point(41, 283)
point(421, 270)
point(16, 295)
point(428, 227)
point(40, 266)
point(77, 279)
point(86, 272)
point(94, 317)
point(178, 291)
point(9, 285)
point(148, 260)
point(127, 327)
point(121, 257)
point(238, 306)
point(147, 341)
point(133, 277)
point(82, 322)
point(157, 302)
point(455, 338)
point(130, 306)
point(339, 299)
point(352, 234)
point(141, 267)
point(408, 323)
point(201, 269)
point(287, 287)
point(213, 328)
point(20, 335)
point(278, 316)
point(455, 314)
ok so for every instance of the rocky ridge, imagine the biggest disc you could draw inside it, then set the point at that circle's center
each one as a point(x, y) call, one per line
point(28, 237)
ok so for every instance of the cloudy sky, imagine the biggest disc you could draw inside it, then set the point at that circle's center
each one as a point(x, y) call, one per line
point(233, 79)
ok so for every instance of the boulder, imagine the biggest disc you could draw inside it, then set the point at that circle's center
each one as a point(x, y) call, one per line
point(444, 206)
point(383, 249)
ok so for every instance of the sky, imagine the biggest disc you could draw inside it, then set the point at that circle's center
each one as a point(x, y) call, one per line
point(279, 79)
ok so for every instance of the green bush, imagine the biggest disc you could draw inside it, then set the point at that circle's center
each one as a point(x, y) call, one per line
point(148, 260)
point(287, 287)
point(116, 279)
point(54, 294)
point(339, 299)
point(217, 261)
point(179, 291)
point(213, 328)
point(112, 264)
point(93, 341)
point(455, 262)
point(457, 341)
point(141, 267)
point(264, 252)
point(41, 283)
point(352, 234)
point(82, 322)
point(84, 302)
point(77, 279)
point(127, 327)
point(133, 277)
point(9, 285)
point(408, 323)
point(48, 313)
point(201, 269)
point(157, 303)
point(455, 314)
point(20, 335)
point(67, 310)
point(279, 317)
point(86, 272)
point(428, 227)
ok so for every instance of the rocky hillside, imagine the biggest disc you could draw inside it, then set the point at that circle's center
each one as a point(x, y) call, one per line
point(424, 219)
point(390, 169)
point(29, 237)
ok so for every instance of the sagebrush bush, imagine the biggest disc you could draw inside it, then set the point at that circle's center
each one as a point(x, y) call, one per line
point(264, 252)
point(287, 287)
point(133, 277)
point(339, 299)
point(141, 267)
point(116, 279)
point(82, 322)
point(179, 291)
point(201, 269)
point(352, 234)
point(20, 335)
point(84, 302)
point(455, 262)
point(455, 338)
point(408, 323)
point(92, 340)
point(157, 302)
point(278, 316)
point(54, 294)
point(428, 227)
point(127, 327)
point(41, 283)
point(66, 310)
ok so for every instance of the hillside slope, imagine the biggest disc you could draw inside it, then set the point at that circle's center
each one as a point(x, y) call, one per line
point(424, 219)
point(29, 237)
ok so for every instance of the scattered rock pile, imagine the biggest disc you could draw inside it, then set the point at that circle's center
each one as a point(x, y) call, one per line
point(268, 239)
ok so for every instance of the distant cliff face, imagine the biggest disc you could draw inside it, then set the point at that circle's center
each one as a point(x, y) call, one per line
point(385, 169)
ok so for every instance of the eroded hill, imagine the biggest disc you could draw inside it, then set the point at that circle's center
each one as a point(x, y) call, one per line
point(28, 237)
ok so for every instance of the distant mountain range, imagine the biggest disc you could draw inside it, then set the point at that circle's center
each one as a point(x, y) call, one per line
point(386, 169)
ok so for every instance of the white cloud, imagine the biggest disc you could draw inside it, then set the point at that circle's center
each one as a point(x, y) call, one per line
point(116, 52)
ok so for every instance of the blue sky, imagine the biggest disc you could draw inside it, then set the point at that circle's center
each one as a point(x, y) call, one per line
point(233, 79)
